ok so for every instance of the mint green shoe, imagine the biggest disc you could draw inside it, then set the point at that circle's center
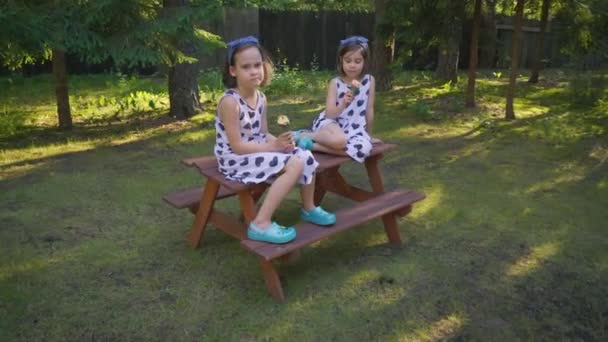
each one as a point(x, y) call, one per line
point(296, 135)
point(302, 142)
point(273, 234)
point(306, 143)
point(318, 216)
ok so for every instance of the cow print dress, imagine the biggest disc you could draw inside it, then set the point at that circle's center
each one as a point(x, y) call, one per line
point(255, 167)
point(352, 120)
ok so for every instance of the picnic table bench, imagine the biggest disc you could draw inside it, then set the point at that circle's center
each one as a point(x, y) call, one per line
point(371, 204)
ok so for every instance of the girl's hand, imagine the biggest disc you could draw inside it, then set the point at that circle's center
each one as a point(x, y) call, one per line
point(348, 98)
point(285, 142)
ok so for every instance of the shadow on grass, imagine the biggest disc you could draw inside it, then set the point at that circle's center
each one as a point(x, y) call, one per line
point(508, 245)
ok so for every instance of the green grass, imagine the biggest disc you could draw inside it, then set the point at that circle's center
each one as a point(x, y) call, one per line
point(510, 244)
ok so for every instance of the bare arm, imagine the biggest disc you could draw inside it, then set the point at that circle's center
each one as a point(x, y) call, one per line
point(370, 105)
point(229, 115)
point(331, 110)
point(264, 129)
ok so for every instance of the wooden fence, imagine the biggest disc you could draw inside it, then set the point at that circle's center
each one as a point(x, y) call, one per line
point(310, 39)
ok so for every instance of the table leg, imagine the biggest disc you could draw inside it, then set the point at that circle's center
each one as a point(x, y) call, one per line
point(202, 214)
point(336, 183)
point(392, 229)
point(375, 179)
point(320, 190)
point(247, 205)
point(373, 172)
point(273, 282)
point(256, 193)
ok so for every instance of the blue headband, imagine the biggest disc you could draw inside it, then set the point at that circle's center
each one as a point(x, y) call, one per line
point(354, 40)
point(233, 45)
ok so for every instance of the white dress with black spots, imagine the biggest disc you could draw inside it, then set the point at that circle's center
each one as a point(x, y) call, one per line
point(255, 167)
point(352, 120)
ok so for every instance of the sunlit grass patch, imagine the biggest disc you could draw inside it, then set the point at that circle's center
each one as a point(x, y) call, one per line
point(529, 263)
point(445, 328)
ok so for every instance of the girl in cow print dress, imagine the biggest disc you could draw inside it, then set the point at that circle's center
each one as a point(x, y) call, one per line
point(248, 153)
point(344, 127)
point(256, 167)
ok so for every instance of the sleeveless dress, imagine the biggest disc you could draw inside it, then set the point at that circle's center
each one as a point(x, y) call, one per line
point(255, 167)
point(352, 120)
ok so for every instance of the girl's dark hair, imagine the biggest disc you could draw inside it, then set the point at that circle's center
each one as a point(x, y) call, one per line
point(344, 49)
point(230, 81)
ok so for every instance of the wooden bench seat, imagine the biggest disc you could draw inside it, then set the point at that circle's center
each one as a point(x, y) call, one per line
point(187, 198)
point(347, 218)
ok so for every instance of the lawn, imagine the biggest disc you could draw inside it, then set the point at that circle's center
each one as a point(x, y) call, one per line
point(511, 242)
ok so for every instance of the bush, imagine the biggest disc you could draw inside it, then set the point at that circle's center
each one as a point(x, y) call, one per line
point(587, 89)
point(423, 111)
point(286, 80)
point(211, 85)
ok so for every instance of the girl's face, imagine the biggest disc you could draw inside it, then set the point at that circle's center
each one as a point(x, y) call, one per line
point(352, 63)
point(248, 68)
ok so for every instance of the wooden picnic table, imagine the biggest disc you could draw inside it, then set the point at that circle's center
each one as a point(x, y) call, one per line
point(370, 205)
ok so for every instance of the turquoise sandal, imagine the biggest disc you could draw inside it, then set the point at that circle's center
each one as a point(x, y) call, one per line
point(318, 216)
point(304, 143)
point(274, 233)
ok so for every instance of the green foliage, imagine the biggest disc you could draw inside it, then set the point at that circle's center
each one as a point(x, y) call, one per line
point(130, 32)
point(211, 85)
point(23, 34)
point(588, 88)
point(423, 111)
point(157, 35)
point(94, 110)
point(414, 32)
point(583, 27)
point(287, 80)
point(11, 122)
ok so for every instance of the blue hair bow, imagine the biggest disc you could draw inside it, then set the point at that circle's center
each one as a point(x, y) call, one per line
point(233, 45)
point(354, 40)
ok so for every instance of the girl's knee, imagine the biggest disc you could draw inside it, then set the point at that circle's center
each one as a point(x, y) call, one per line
point(338, 143)
point(295, 164)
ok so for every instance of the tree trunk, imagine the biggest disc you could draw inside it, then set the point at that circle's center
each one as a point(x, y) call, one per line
point(470, 97)
point(184, 95)
point(487, 39)
point(540, 47)
point(449, 46)
point(383, 49)
point(515, 50)
point(184, 98)
point(447, 62)
point(61, 89)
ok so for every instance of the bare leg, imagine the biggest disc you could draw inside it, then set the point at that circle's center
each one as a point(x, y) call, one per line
point(307, 193)
point(325, 149)
point(278, 190)
point(330, 136)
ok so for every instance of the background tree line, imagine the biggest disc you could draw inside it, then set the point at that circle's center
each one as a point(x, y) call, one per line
point(175, 34)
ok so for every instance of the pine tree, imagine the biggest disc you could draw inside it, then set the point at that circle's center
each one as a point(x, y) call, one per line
point(129, 32)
